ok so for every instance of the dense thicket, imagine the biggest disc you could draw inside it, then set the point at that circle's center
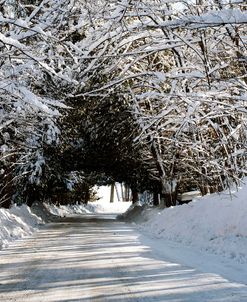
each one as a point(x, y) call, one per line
point(152, 93)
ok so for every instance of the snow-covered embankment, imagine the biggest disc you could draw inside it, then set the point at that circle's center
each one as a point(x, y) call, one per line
point(16, 223)
point(101, 207)
point(215, 223)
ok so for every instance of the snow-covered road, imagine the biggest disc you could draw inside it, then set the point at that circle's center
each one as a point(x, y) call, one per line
point(95, 258)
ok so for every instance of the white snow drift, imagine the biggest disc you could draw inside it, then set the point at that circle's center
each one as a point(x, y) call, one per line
point(19, 222)
point(216, 223)
point(16, 223)
point(92, 207)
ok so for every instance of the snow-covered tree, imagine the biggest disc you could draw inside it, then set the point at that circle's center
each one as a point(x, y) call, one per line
point(32, 79)
point(182, 70)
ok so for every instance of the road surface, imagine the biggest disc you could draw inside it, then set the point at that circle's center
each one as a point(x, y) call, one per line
point(97, 259)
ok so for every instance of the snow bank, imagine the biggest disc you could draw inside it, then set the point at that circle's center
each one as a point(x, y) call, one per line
point(107, 207)
point(138, 213)
point(16, 223)
point(67, 210)
point(90, 208)
point(216, 223)
point(19, 222)
point(42, 211)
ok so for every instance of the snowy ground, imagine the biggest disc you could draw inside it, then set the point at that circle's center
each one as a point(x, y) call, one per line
point(16, 223)
point(19, 222)
point(209, 234)
point(215, 223)
point(93, 207)
point(97, 258)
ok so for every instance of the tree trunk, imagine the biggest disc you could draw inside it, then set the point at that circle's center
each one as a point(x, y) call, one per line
point(126, 193)
point(134, 196)
point(112, 192)
point(204, 189)
point(87, 195)
point(122, 191)
point(156, 200)
point(118, 195)
point(170, 199)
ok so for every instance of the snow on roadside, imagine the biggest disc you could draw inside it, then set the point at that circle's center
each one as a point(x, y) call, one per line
point(216, 223)
point(107, 207)
point(67, 210)
point(17, 222)
point(91, 208)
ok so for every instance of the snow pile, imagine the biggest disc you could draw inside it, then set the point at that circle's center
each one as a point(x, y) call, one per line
point(107, 207)
point(138, 213)
point(16, 223)
point(19, 222)
point(90, 208)
point(42, 210)
point(216, 223)
point(67, 210)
